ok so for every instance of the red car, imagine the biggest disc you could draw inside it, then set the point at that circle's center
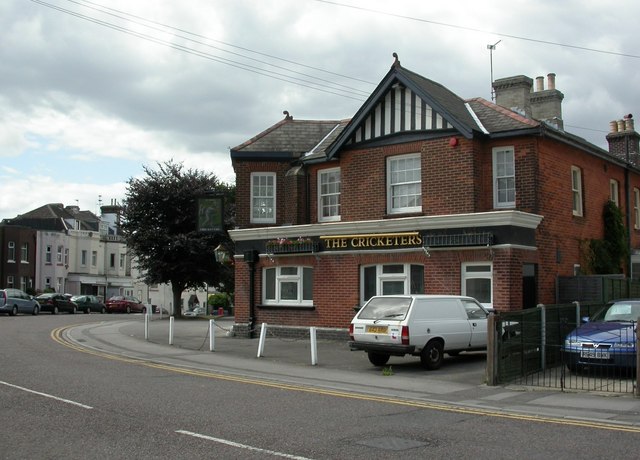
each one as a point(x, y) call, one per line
point(125, 304)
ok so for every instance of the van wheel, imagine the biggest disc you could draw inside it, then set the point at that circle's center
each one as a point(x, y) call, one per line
point(432, 355)
point(378, 359)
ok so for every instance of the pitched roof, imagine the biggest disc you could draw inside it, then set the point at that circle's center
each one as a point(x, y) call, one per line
point(56, 217)
point(287, 139)
point(495, 119)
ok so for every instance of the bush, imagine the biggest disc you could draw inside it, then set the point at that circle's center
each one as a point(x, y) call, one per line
point(220, 300)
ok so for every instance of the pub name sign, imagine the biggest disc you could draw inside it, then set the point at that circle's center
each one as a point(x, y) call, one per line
point(372, 241)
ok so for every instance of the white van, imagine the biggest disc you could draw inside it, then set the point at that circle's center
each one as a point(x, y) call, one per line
point(420, 325)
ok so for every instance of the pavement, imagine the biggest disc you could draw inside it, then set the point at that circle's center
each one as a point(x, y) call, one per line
point(458, 385)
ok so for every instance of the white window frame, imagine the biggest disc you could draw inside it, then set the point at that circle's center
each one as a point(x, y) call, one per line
point(11, 251)
point(328, 208)
point(614, 188)
point(83, 258)
point(10, 281)
point(395, 183)
point(122, 259)
point(267, 218)
point(636, 208)
point(47, 254)
point(504, 177)
point(382, 278)
point(281, 278)
point(24, 253)
point(576, 190)
point(474, 271)
point(94, 258)
point(59, 255)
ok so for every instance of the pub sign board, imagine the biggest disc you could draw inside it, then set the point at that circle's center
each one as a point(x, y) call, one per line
point(211, 214)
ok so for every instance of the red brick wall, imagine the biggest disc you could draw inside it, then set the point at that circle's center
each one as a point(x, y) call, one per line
point(284, 200)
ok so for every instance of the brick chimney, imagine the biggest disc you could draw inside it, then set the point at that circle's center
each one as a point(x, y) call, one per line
point(513, 93)
point(624, 141)
point(517, 93)
point(546, 104)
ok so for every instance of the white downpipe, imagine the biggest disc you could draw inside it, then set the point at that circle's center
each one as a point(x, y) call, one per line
point(314, 346)
point(146, 327)
point(171, 319)
point(212, 335)
point(263, 334)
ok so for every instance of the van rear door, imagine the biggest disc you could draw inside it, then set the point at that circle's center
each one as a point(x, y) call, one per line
point(381, 319)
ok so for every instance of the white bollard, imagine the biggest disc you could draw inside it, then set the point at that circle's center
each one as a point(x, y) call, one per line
point(212, 334)
point(171, 330)
point(314, 346)
point(263, 333)
point(146, 327)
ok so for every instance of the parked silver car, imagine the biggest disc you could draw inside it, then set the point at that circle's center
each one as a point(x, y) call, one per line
point(14, 301)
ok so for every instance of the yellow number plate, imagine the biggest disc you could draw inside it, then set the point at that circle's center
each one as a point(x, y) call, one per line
point(377, 329)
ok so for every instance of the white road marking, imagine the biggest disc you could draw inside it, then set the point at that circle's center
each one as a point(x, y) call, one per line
point(46, 395)
point(241, 446)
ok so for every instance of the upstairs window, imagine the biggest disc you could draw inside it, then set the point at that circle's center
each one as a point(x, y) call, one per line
point(636, 209)
point(24, 253)
point(576, 189)
point(263, 198)
point(83, 258)
point(504, 178)
point(47, 255)
point(11, 251)
point(404, 184)
point(59, 255)
point(329, 195)
point(94, 258)
point(614, 192)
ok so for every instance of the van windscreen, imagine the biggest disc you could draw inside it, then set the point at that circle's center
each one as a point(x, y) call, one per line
point(386, 308)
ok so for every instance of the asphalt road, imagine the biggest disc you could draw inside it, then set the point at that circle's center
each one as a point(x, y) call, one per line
point(61, 402)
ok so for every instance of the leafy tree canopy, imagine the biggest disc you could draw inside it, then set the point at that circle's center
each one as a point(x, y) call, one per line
point(160, 227)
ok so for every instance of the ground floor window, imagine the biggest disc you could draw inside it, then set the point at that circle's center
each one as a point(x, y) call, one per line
point(390, 279)
point(287, 286)
point(477, 282)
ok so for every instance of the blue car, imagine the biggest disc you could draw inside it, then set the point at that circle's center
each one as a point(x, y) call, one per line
point(608, 339)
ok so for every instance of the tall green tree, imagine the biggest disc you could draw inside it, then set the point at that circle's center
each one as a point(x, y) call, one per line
point(160, 218)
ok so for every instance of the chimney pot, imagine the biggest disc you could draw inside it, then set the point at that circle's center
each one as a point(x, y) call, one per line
point(621, 125)
point(628, 124)
point(613, 126)
point(539, 83)
point(551, 81)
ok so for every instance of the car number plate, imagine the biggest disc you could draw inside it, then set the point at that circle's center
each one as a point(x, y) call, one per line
point(377, 329)
point(594, 354)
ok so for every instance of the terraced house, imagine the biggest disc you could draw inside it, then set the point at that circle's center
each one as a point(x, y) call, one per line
point(422, 191)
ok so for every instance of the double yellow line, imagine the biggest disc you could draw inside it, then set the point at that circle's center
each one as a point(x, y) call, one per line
point(58, 335)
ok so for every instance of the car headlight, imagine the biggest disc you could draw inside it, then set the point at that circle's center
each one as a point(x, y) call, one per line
point(625, 345)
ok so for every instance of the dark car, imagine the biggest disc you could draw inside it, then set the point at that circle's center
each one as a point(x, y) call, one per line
point(125, 304)
point(55, 303)
point(608, 339)
point(89, 303)
point(14, 301)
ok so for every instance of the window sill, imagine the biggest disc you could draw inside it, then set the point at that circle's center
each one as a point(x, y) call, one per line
point(403, 214)
point(285, 307)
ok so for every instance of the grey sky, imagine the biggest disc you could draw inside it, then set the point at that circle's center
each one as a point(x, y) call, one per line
point(90, 94)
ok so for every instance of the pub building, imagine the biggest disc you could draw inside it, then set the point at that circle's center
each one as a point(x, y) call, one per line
point(421, 192)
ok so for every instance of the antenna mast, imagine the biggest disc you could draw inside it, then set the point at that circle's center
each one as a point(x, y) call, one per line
point(491, 48)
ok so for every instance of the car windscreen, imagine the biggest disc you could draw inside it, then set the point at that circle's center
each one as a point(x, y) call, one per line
point(623, 311)
point(394, 308)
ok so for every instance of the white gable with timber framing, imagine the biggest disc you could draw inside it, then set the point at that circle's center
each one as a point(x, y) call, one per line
point(399, 110)
point(406, 103)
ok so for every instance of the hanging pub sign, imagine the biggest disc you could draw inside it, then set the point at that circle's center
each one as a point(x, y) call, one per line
point(372, 241)
point(211, 214)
